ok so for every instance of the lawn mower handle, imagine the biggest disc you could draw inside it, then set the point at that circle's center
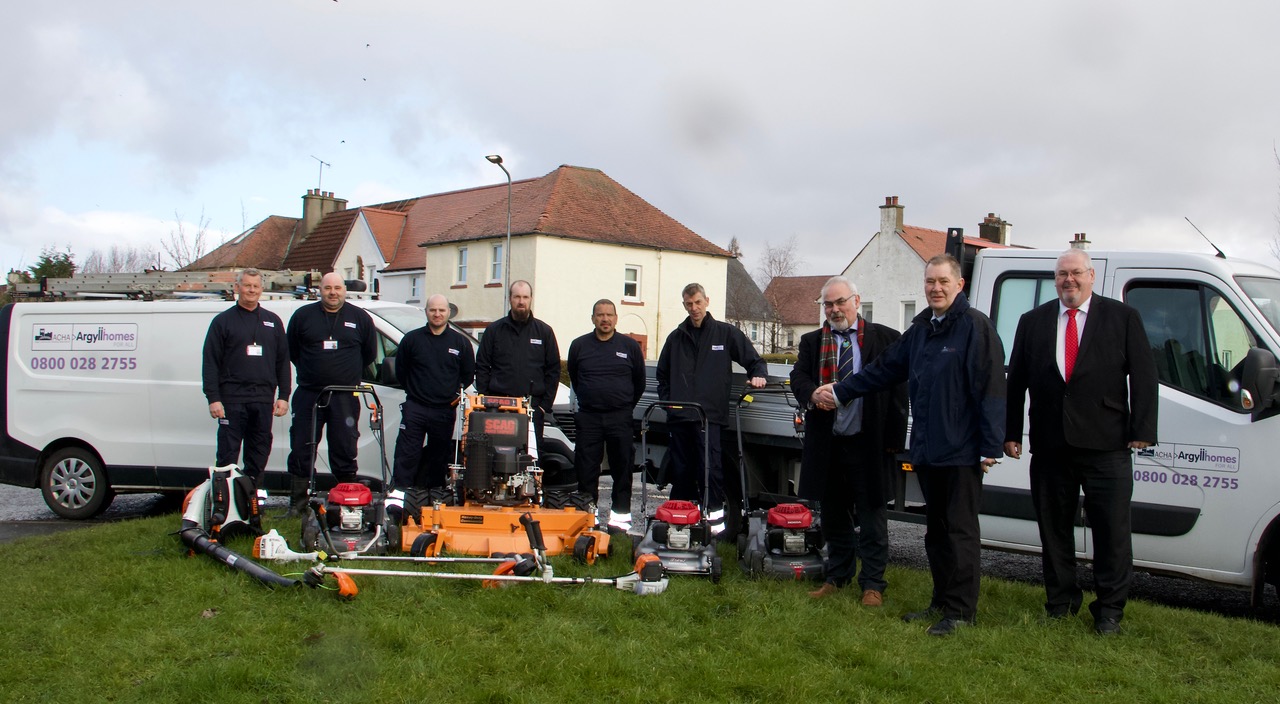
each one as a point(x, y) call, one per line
point(772, 387)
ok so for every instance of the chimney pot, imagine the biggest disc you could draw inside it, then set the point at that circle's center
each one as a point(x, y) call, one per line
point(888, 200)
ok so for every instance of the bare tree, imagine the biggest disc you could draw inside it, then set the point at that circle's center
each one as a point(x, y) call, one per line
point(183, 248)
point(778, 260)
point(120, 259)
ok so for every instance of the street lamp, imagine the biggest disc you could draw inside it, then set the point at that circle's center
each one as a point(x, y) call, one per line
point(506, 250)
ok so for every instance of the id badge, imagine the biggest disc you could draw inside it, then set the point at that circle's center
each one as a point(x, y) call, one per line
point(253, 350)
point(331, 344)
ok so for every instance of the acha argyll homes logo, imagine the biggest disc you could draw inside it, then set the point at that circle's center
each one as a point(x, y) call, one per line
point(83, 337)
point(1194, 457)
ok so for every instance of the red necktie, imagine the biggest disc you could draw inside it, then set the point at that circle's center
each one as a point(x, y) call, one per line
point(1071, 344)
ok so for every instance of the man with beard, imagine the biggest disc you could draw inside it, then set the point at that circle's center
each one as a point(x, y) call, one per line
point(518, 356)
point(846, 463)
point(330, 344)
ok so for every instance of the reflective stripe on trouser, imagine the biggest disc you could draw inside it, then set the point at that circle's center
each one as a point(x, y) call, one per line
point(621, 521)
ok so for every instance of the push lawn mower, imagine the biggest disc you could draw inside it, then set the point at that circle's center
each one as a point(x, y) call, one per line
point(498, 482)
point(678, 532)
point(350, 518)
point(784, 541)
point(647, 578)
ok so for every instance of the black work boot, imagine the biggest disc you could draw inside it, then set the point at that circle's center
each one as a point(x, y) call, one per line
point(299, 488)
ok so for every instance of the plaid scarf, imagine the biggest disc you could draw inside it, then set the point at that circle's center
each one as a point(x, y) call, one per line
point(829, 352)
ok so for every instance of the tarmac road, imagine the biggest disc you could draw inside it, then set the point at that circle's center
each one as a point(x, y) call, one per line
point(23, 513)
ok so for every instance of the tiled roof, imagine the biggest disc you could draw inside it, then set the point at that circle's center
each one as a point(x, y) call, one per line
point(795, 298)
point(387, 226)
point(428, 216)
point(264, 246)
point(572, 202)
point(580, 203)
point(930, 243)
point(318, 251)
point(743, 299)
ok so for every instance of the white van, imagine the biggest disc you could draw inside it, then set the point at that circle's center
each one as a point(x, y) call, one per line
point(104, 397)
point(1206, 501)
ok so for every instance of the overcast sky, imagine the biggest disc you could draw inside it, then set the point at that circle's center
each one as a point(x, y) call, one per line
point(760, 120)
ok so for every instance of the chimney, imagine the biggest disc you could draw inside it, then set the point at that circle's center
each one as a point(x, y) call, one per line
point(994, 229)
point(317, 204)
point(890, 216)
point(1079, 241)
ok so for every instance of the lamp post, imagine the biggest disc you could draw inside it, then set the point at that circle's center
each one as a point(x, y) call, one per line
point(506, 249)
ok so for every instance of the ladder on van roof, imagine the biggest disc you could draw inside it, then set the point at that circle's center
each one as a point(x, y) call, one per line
point(151, 285)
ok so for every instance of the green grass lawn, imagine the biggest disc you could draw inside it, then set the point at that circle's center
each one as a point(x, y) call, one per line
point(117, 612)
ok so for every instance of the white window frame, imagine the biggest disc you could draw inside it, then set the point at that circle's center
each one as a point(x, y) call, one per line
point(627, 269)
point(909, 312)
point(867, 310)
point(460, 273)
point(413, 287)
point(495, 266)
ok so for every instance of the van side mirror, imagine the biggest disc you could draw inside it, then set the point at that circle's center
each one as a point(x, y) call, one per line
point(388, 375)
point(1258, 375)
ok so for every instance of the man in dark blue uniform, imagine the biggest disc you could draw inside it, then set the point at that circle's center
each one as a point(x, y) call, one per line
point(695, 365)
point(606, 371)
point(246, 376)
point(518, 356)
point(433, 363)
point(330, 344)
point(953, 362)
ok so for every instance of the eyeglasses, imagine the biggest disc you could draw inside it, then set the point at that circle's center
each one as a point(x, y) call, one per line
point(1075, 274)
point(836, 303)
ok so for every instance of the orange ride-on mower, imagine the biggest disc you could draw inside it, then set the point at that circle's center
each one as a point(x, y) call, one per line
point(678, 532)
point(647, 578)
point(497, 482)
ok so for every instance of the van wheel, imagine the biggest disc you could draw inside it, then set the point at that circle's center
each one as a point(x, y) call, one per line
point(74, 484)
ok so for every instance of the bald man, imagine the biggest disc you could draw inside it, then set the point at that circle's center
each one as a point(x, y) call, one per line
point(330, 344)
point(433, 364)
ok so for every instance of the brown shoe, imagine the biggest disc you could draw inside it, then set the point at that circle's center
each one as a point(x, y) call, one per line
point(872, 597)
point(826, 590)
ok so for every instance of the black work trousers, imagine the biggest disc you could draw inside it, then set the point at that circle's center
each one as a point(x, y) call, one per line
point(689, 472)
point(247, 425)
point(1106, 478)
point(598, 433)
point(952, 539)
point(339, 418)
point(418, 467)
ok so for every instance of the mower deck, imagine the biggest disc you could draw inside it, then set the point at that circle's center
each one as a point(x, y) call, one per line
point(483, 530)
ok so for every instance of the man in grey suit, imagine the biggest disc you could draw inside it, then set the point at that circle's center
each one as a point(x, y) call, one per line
point(1087, 364)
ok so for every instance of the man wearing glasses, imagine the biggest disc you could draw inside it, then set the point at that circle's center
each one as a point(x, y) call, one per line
point(1086, 361)
point(846, 462)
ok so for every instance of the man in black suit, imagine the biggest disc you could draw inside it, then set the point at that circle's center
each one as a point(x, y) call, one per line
point(847, 449)
point(1088, 365)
